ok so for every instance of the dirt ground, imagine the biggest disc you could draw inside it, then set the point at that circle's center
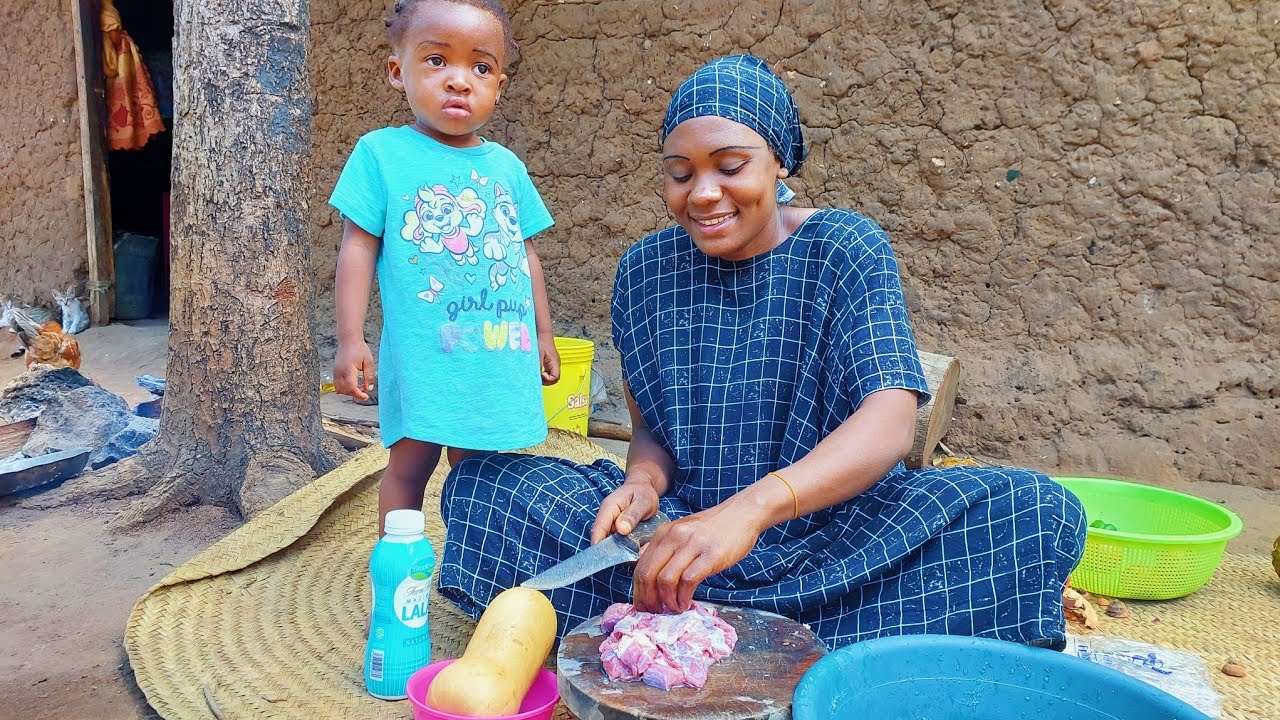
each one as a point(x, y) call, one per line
point(67, 585)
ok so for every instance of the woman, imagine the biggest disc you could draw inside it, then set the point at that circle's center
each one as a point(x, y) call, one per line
point(773, 382)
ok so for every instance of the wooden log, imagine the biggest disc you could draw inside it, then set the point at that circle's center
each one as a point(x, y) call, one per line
point(14, 435)
point(346, 437)
point(361, 424)
point(942, 375)
point(608, 430)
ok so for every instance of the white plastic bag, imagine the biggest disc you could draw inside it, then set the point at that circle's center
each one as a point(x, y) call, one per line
point(599, 392)
point(1182, 674)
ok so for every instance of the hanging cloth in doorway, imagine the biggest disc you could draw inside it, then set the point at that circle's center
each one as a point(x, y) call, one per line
point(132, 116)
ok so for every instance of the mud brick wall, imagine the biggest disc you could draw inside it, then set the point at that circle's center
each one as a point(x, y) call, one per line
point(42, 243)
point(1083, 196)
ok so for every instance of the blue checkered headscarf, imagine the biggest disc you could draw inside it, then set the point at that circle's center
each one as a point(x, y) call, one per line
point(743, 89)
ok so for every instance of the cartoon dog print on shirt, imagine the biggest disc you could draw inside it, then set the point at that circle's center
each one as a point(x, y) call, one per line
point(439, 221)
point(504, 246)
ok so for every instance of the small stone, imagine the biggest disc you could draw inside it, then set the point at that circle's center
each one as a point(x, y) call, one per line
point(1103, 601)
point(1234, 669)
point(1117, 609)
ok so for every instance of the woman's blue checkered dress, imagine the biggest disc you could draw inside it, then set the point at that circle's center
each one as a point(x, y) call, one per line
point(740, 368)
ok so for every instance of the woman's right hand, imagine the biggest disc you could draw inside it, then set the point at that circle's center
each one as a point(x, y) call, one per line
point(649, 472)
point(352, 359)
point(624, 508)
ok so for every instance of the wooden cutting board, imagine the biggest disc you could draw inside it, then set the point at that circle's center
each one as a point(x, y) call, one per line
point(756, 682)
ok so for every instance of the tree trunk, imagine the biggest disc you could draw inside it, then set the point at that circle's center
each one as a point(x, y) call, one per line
point(241, 425)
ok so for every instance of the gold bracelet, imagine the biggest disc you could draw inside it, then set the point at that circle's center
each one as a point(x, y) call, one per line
point(795, 501)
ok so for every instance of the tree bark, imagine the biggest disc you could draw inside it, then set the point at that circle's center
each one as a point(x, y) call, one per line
point(241, 425)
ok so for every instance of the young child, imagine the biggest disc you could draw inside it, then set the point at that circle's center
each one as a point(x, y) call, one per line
point(445, 217)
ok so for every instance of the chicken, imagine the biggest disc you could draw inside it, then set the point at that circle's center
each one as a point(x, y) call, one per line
point(46, 343)
point(8, 305)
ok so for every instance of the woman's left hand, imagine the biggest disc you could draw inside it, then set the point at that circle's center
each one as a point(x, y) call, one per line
point(685, 552)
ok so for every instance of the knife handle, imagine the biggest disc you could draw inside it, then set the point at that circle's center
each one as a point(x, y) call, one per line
point(643, 531)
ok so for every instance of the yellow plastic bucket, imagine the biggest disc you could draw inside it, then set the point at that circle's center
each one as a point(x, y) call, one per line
point(568, 402)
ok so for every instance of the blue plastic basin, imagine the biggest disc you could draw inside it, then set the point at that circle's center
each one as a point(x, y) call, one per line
point(939, 677)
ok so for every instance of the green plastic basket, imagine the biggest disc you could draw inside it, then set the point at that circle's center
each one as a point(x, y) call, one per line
point(1165, 544)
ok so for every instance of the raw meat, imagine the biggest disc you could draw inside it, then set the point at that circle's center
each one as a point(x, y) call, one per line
point(664, 651)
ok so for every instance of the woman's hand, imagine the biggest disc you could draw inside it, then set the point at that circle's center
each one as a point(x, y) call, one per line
point(624, 508)
point(685, 552)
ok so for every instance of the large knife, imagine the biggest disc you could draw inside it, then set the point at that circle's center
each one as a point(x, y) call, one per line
point(611, 551)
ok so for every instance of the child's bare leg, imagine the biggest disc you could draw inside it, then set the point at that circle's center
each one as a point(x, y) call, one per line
point(457, 455)
point(405, 479)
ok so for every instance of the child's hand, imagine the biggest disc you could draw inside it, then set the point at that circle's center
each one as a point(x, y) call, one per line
point(352, 359)
point(550, 359)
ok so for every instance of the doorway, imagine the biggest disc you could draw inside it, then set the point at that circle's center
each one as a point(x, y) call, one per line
point(122, 46)
point(138, 178)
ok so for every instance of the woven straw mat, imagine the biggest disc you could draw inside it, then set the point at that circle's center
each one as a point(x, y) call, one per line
point(1234, 617)
point(269, 622)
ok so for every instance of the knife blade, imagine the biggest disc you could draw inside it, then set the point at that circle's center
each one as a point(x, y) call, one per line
point(611, 551)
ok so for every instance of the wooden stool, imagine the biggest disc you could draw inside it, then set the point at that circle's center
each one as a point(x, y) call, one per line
point(756, 682)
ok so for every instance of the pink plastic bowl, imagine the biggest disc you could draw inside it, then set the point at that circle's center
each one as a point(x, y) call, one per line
point(538, 703)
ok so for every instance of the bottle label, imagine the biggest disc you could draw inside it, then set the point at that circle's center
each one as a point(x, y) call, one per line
point(412, 594)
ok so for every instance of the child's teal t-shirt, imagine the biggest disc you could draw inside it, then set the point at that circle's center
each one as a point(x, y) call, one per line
point(459, 362)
